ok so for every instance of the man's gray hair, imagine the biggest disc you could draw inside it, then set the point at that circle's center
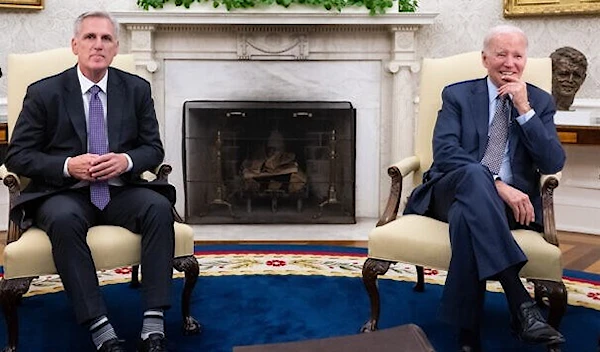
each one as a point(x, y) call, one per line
point(503, 29)
point(101, 14)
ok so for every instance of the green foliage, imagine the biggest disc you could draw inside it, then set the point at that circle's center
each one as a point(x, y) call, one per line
point(374, 6)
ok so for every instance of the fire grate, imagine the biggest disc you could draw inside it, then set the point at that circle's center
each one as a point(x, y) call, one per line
point(269, 162)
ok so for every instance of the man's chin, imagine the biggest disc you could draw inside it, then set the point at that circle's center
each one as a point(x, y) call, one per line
point(99, 66)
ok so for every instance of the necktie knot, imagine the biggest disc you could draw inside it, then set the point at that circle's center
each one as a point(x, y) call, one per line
point(502, 102)
point(94, 90)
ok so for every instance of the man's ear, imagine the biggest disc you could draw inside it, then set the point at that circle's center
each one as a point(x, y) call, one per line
point(74, 48)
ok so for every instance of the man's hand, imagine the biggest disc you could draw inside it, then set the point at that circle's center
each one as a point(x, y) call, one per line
point(79, 166)
point(518, 89)
point(107, 166)
point(518, 201)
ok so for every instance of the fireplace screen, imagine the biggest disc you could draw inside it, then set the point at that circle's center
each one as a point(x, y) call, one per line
point(269, 162)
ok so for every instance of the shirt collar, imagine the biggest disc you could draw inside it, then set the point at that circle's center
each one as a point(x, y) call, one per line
point(492, 90)
point(86, 84)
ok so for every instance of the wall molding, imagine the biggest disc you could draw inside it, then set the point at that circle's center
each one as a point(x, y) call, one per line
point(3, 109)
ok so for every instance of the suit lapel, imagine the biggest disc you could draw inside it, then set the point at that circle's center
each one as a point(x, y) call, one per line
point(115, 102)
point(480, 106)
point(74, 105)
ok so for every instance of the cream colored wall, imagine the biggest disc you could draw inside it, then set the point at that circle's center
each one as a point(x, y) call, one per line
point(457, 29)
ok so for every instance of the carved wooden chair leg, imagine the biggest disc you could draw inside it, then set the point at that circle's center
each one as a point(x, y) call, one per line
point(11, 292)
point(420, 284)
point(135, 278)
point(556, 296)
point(188, 265)
point(371, 269)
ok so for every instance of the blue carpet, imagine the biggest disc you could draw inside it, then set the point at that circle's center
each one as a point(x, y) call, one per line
point(254, 309)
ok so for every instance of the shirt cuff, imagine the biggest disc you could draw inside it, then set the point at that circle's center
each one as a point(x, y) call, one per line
point(525, 117)
point(129, 162)
point(66, 168)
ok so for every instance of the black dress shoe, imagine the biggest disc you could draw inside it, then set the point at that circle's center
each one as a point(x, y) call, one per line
point(112, 345)
point(469, 340)
point(154, 343)
point(531, 327)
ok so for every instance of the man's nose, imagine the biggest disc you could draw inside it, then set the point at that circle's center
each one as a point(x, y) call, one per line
point(98, 43)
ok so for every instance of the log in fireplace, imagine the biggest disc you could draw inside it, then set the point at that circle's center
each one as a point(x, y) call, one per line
point(251, 162)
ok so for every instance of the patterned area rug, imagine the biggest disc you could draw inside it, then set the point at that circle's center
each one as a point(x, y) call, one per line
point(324, 261)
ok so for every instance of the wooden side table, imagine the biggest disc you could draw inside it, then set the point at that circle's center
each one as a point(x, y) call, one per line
point(3, 140)
point(581, 135)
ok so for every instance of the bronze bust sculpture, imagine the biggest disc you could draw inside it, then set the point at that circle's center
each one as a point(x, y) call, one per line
point(569, 67)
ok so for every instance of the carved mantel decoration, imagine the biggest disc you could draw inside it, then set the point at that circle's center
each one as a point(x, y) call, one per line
point(162, 38)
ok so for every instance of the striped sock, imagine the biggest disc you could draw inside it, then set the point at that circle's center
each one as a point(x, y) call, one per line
point(154, 323)
point(101, 331)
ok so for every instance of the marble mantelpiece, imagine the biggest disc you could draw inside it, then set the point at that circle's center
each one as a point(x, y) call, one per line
point(368, 60)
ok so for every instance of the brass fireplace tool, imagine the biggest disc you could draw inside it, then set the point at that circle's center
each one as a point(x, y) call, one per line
point(332, 192)
point(219, 199)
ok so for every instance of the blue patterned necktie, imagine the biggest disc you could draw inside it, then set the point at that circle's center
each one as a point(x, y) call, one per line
point(494, 151)
point(98, 144)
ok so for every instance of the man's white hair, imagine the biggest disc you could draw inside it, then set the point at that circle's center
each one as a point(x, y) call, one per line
point(101, 14)
point(503, 29)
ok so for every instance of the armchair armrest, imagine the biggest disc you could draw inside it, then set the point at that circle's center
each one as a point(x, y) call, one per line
point(547, 185)
point(406, 165)
point(14, 184)
point(161, 172)
point(9, 177)
point(397, 172)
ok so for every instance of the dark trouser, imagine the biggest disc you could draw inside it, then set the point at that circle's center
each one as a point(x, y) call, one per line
point(66, 218)
point(482, 245)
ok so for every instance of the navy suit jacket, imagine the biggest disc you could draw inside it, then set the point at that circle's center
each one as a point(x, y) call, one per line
point(52, 127)
point(461, 133)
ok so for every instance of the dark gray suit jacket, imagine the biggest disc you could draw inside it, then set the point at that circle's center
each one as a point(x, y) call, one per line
point(52, 127)
point(461, 133)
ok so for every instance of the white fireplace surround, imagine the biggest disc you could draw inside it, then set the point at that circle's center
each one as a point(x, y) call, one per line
point(368, 60)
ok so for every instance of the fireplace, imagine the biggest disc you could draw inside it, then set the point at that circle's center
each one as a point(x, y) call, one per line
point(371, 61)
point(249, 162)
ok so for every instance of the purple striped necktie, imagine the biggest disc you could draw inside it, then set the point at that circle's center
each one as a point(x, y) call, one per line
point(98, 144)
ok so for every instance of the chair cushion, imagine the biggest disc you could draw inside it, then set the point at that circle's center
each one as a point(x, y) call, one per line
point(425, 241)
point(112, 247)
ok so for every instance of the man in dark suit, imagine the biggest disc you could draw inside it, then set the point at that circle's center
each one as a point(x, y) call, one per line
point(483, 196)
point(89, 132)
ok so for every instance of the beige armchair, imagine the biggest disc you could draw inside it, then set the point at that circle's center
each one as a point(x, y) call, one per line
point(28, 254)
point(425, 242)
